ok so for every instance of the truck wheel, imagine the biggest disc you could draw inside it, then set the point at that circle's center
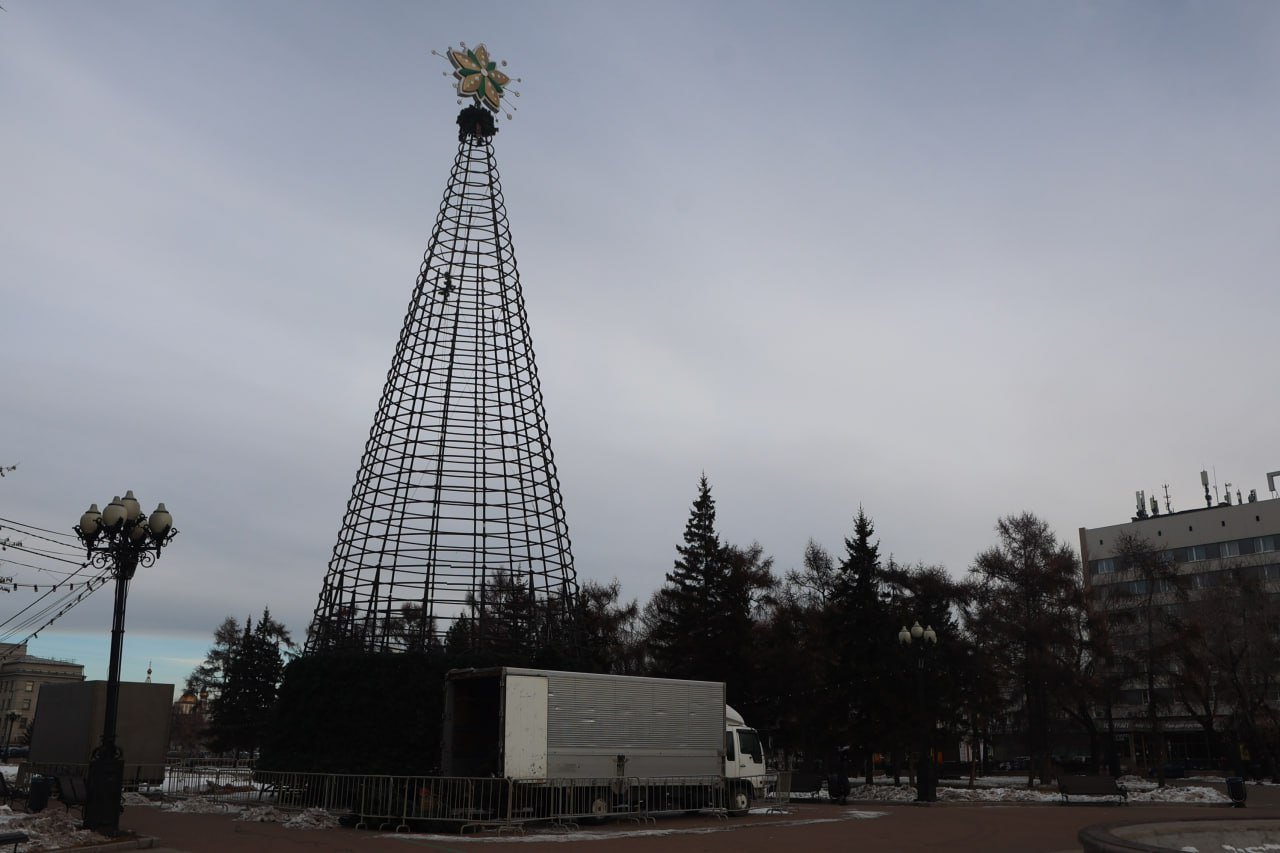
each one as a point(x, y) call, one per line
point(739, 801)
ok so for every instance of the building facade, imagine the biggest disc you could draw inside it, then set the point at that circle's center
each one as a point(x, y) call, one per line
point(21, 677)
point(1200, 555)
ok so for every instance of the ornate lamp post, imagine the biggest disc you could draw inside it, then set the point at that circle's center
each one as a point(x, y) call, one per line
point(118, 539)
point(922, 639)
point(9, 719)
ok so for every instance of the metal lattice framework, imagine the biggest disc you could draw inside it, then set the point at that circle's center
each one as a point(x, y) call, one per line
point(456, 515)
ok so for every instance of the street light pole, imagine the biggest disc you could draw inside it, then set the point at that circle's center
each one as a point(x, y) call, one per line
point(9, 719)
point(922, 638)
point(118, 539)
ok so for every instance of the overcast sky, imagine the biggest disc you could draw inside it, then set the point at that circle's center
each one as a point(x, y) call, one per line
point(944, 260)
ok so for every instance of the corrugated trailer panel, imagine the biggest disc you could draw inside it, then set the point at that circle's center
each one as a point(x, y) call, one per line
point(660, 727)
point(622, 714)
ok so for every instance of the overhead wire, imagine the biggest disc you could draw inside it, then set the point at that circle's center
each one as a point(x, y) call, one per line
point(6, 561)
point(58, 597)
point(61, 604)
point(4, 521)
point(38, 553)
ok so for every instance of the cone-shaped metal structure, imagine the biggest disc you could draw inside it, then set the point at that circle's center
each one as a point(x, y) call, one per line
point(455, 525)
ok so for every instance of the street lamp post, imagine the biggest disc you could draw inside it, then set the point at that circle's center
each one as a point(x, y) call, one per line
point(118, 539)
point(921, 639)
point(9, 719)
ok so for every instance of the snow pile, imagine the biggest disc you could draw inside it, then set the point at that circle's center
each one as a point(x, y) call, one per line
point(1180, 794)
point(311, 819)
point(133, 798)
point(1014, 790)
point(261, 814)
point(1138, 783)
point(50, 830)
point(996, 795)
point(201, 805)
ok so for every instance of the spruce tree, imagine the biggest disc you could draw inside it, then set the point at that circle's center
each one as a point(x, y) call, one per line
point(861, 630)
point(254, 667)
point(678, 616)
point(700, 623)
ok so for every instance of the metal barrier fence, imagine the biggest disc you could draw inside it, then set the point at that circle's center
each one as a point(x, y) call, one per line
point(402, 803)
point(778, 790)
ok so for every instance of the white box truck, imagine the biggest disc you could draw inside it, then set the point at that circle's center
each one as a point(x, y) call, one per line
point(548, 727)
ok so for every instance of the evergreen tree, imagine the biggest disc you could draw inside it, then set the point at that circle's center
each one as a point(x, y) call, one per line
point(700, 623)
point(254, 667)
point(680, 632)
point(861, 629)
point(609, 630)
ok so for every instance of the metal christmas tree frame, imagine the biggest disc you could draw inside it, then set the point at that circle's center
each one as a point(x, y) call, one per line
point(456, 511)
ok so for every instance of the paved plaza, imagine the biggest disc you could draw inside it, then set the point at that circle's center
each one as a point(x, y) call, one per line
point(807, 827)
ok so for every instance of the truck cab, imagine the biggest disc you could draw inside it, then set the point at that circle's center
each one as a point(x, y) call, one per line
point(744, 769)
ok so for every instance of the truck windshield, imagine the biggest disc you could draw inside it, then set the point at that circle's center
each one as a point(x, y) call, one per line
point(749, 741)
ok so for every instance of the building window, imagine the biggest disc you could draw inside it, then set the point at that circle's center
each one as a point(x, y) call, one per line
point(1105, 566)
point(26, 704)
point(30, 686)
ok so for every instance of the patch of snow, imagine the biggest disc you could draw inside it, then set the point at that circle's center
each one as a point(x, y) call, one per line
point(858, 814)
point(1180, 794)
point(132, 798)
point(53, 830)
point(997, 795)
point(201, 805)
point(1140, 790)
point(261, 814)
point(311, 819)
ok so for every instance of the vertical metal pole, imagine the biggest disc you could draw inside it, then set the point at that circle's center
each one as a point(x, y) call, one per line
point(926, 791)
point(105, 783)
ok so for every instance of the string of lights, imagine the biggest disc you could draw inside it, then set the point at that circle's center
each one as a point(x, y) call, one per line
point(55, 598)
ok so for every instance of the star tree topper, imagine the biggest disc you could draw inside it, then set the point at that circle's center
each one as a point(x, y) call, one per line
point(478, 76)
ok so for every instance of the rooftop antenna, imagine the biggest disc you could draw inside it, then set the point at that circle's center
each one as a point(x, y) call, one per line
point(1226, 494)
point(1141, 498)
point(1155, 506)
point(1168, 505)
point(1204, 481)
point(1271, 482)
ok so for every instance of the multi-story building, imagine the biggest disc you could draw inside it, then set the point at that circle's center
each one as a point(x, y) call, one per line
point(21, 676)
point(1202, 549)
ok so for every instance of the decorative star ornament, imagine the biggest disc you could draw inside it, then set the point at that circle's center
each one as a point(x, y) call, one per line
point(479, 77)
